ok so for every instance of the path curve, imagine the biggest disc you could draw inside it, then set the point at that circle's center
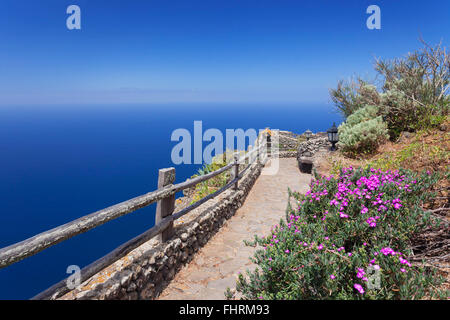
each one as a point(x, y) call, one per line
point(217, 265)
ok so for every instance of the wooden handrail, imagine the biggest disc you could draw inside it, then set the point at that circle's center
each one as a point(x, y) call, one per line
point(61, 288)
point(31, 246)
point(41, 241)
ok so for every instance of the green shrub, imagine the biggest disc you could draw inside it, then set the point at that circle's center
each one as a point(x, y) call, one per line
point(212, 185)
point(347, 239)
point(414, 91)
point(399, 112)
point(354, 94)
point(432, 117)
point(363, 114)
point(363, 137)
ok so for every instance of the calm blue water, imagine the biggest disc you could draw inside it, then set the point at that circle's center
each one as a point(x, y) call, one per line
point(60, 163)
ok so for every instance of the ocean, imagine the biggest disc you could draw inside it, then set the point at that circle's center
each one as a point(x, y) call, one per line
point(58, 163)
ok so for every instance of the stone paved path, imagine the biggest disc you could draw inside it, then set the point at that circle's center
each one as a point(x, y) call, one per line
point(216, 266)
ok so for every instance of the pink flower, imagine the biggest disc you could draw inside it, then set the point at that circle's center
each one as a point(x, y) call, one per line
point(371, 222)
point(359, 288)
point(387, 251)
point(332, 276)
point(334, 202)
point(360, 273)
point(397, 205)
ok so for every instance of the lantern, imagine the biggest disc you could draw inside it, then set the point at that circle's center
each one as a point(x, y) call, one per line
point(308, 134)
point(333, 136)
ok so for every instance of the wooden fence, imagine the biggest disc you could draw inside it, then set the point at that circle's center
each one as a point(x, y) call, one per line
point(164, 218)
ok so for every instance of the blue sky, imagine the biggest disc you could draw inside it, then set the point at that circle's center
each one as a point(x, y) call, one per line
point(190, 50)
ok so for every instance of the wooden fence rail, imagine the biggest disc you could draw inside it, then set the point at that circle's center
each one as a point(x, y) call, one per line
point(164, 195)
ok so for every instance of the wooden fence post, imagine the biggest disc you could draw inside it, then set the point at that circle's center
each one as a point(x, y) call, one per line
point(258, 151)
point(165, 206)
point(236, 170)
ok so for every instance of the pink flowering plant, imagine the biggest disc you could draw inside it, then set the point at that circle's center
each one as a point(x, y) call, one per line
point(349, 238)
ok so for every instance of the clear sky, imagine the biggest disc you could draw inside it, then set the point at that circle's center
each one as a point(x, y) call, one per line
point(191, 50)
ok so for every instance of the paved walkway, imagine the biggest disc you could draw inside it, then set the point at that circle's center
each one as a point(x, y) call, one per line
point(216, 266)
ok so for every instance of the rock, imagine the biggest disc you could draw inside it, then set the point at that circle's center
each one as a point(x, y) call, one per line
point(148, 291)
point(137, 271)
point(176, 244)
point(444, 127)
point(132, 296)
point(126, 278)
point(84, 295)
point(113, 291)
point(184, 237)
point(405, 135)
point(132, 287)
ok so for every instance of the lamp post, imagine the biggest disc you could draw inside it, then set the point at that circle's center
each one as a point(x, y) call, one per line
point(308, 134)
point(333, 136)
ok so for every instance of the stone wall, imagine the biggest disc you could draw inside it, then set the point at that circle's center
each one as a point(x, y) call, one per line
point(292, 145)
point(287, 154)
point(288, 141)
point(312, 146)
point(316, 147)
point(144, 272)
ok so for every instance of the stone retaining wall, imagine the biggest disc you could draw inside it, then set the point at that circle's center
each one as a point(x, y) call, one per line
point(287, 154)
point(315, 148)
point(292, 145)
point(312, 146)
point(288, 141)
point(144, 272)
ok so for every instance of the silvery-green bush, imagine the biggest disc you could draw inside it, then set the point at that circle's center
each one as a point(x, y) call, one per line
point(363, 114)
point(363, 137)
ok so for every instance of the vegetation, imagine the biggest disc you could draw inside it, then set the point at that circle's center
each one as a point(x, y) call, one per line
point(374, 230)
point(209, 186)
point(424, 150)
point(412, 95)
point(362, 132)
point(349, 238)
